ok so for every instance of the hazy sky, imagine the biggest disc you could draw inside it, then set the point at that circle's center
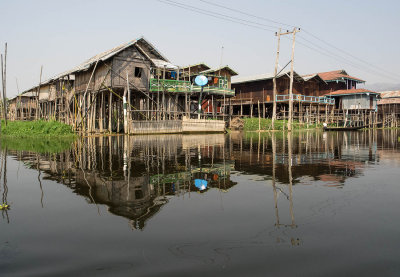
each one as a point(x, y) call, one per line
point(61, 34)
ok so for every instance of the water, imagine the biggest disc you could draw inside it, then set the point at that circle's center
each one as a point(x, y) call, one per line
point(306, 204)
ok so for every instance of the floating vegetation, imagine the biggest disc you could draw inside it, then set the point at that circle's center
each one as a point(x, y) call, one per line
point(4, 206)
point(37, 128)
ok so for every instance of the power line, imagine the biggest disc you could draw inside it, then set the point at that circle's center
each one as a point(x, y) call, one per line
point(305, 31)
point(343, 59)
point(248, 14)
point(257, 25)
point(217, 15)
point(345, 52)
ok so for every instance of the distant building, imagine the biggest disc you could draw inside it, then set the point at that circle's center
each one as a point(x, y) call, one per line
point(338, 80)
point(355, 99)
point(389, 104)
point(22, 107)
point(252, 90)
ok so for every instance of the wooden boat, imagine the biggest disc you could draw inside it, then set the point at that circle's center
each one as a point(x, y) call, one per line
point(343, 128)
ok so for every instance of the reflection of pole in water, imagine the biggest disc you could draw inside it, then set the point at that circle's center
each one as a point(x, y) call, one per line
point(290, 177)
point(40, 182)
point(5, 187)
point(275, 189)
point(273, 178)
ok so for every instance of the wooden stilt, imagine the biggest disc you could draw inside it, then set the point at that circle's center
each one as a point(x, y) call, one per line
point(110, 110)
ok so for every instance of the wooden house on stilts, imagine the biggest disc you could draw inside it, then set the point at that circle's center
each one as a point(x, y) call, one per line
point(132, 88)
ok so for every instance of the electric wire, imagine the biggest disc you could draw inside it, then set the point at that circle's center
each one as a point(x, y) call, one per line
point(305, 31)
point(377, 69)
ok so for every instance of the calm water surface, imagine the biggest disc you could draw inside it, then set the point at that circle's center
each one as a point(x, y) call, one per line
point(305, 204)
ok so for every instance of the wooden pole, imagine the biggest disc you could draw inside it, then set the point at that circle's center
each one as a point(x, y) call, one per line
point(5, 84)
point(101, 114)
point(37, 94)
point(125, 104)
point(230, 111)
point(189, 94)
point(110, 113)
point(263, 104)
point(291, 82)
point(117, 112)
point(163, 94)
point(130, 108)
point(274, 80)
point(3, 87)
point(259, 115)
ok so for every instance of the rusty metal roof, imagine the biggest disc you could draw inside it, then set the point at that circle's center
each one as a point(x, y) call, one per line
point(212, 70)
point(262, 77)
point(338, 75)
point(149, 49)
point(390, 94)
point(351, 92)
point(202, 65)
point(312, 76)
point(385, 101)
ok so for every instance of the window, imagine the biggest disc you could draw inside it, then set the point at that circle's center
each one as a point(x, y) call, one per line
point(138, 72)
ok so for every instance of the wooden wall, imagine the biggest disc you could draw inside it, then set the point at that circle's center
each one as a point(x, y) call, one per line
point(125, 61)
point(332, 86)
point(263, 90)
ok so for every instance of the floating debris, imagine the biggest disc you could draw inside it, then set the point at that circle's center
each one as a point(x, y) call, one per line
point(4, 206)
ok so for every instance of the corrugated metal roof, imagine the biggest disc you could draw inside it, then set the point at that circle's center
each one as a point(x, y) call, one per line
point(205, 66)
point(265, 76)
point(108, 54)
point(231, 71)
point(338, 75)
point(389, 101)
point(160, 63)
point(312, 76)
point(390, 94)
point(26, 94)
point(350, 91)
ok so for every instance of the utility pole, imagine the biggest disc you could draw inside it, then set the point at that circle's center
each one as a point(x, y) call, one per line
point(37, 95)
point(274, 80)
point(279, 34)
point(295, 30)
point(3, 77)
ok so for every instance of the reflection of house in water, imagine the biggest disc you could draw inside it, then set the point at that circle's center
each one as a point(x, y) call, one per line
point(136, 175)
point(157, 168)
point(330, 157)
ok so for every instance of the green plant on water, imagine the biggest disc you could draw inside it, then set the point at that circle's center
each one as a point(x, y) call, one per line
point(35, 128)
point(252, 124)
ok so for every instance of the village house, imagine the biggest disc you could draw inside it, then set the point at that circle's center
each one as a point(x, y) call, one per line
point(338, 80)
point(389, 108)
point(257, 91)
point(22, 107)
point(319, 95)
point(133, 88)
point(355, 99)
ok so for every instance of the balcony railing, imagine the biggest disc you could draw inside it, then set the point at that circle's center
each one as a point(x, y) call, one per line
point(306, 99)
point(186, 87)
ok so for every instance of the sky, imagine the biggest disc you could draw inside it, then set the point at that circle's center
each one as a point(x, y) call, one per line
point(358, 36)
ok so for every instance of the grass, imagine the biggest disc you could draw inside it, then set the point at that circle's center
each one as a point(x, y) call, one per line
point(251, 124)
point(39, 128)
